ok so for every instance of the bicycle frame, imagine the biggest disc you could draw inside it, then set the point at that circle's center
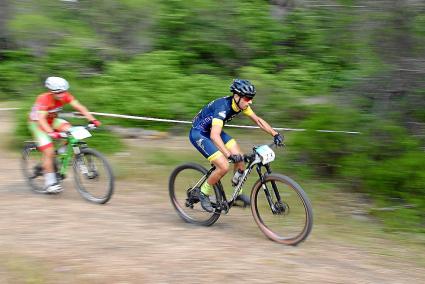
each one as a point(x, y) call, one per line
point(66, 157)
point(72, 148)
point(253, 161)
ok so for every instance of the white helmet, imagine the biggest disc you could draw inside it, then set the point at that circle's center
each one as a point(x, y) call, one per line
point(56, 84)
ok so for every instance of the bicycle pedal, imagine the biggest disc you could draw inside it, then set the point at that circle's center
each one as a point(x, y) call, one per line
point(60, 176)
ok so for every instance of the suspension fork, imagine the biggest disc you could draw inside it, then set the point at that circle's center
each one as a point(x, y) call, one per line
point(266, 190)
point(276, 191)
point(74, 147)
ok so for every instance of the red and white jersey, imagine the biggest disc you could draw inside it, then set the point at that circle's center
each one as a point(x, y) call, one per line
point(47, 102)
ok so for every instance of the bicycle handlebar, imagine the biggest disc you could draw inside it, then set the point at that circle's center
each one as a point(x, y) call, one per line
point(249, 157)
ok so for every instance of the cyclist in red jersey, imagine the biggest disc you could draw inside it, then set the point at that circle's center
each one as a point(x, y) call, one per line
point(45, 125)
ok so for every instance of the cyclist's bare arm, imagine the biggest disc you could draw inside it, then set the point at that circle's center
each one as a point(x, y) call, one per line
point(82, 109)
point(215, 137)
point(262, 124)
point(42, 120)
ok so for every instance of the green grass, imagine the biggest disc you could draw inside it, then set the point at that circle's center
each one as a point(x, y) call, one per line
point(20, 269)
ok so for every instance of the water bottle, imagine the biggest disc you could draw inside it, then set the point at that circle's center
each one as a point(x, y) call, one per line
point(62, 150)
point(237, 177)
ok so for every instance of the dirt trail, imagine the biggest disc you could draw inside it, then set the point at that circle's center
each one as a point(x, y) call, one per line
point(138, 238)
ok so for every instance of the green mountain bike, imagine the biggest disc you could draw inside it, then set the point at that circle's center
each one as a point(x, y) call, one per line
point(92, 173)
point(279, 205)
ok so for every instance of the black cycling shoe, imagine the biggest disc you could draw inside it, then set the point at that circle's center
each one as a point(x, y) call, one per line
point(205, 202)
point(244, 199)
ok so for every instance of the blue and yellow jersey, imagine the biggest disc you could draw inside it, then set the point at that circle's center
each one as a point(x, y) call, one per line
point(218, 112)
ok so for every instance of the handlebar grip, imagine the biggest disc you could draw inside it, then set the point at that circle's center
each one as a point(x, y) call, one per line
point(248, 158)
point(91, 126)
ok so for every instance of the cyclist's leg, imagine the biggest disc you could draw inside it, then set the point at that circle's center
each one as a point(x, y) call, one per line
point(61, 125)
point(46, 147)
point(221, 168)
point(207, 148)
point(234, 149)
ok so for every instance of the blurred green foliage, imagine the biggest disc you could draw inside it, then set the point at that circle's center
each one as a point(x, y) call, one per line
point(384, 161)
point(339, 68)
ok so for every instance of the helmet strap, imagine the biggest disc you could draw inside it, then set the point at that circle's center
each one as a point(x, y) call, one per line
point(237, 102)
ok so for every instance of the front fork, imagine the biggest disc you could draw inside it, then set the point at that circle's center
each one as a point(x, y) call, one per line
point(86, 167)
point(266, 189)
point(73, 149)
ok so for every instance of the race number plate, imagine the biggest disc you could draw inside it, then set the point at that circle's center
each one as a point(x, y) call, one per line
point(79, 132)
point(266, 153)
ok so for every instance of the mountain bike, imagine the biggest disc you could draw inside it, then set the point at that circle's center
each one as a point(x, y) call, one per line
point(92, 173)
point(279, 205)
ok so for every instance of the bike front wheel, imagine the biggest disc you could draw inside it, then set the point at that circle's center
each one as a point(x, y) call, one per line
point(282, 209)
point(185, 196)
point(93, 176)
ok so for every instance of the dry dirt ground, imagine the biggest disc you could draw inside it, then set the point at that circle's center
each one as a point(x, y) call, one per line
point(138, 238)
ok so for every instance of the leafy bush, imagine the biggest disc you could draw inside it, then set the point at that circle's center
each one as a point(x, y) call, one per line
point(324, 151)
point(384, 162)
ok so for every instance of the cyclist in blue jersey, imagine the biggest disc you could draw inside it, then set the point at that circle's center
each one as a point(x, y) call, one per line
point(217, 146)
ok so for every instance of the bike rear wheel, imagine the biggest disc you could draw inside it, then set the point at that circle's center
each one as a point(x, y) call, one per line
point(93, 176)
point(32, 168)
point(291, 219)
point(184, 196)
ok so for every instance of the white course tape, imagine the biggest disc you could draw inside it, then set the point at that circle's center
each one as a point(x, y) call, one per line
point(227, 125)
point(9, 108)
point(190, 122)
